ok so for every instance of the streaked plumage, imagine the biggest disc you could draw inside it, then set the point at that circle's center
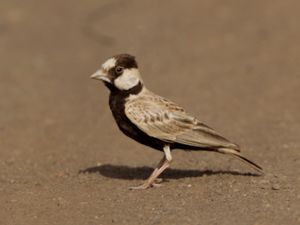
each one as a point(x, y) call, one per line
point(164, 120)
point(155, 121)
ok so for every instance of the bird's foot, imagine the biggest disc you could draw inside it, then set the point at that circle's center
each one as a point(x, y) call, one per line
point(140, 187)
point(147, 185)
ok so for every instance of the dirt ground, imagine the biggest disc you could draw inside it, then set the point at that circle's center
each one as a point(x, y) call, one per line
point(233, 64)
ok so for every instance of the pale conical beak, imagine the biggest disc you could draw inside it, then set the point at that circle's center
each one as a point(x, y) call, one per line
point(100, 75)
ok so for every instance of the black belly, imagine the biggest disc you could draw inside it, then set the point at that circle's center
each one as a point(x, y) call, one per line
point(135, 133)
point(117, 106)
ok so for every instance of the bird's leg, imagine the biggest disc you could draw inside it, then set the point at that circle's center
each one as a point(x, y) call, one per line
point(158, 166)
point(145, 185)
point(162, 165)
point(165, 164)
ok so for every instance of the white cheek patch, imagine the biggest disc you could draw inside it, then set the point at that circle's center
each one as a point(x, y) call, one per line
point(110, 63)
point(128, 79)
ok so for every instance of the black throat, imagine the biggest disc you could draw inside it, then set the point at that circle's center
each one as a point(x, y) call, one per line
point(123, 94)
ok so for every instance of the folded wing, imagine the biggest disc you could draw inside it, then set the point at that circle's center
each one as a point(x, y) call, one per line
point(166, 121)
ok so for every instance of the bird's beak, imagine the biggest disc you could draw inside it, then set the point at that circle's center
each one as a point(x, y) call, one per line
point(100, 75)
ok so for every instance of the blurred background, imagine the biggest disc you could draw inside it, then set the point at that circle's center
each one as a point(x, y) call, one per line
point(233, 64)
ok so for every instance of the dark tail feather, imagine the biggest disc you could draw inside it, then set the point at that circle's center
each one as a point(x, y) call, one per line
point(240, 157)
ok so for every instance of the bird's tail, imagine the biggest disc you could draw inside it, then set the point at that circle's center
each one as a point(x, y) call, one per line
point(238, 155)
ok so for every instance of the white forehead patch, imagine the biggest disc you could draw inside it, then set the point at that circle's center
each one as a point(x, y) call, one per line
point(110, 63)
point(129, 79)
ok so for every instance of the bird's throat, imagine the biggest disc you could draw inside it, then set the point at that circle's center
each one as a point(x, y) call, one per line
point(125, 93)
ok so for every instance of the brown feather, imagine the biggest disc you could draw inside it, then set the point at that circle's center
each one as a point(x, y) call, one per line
point(163, 119)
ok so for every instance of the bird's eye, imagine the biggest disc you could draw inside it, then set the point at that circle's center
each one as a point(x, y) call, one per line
point(119, 69)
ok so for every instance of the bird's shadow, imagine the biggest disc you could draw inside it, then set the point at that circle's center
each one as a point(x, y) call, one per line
point(131, 173)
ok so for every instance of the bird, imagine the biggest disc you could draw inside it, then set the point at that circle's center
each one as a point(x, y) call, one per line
point(155, 121)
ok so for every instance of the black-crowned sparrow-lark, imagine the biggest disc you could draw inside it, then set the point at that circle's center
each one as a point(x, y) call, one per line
point(155, 121)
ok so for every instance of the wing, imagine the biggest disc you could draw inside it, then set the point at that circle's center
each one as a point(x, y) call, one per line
point(166, 121)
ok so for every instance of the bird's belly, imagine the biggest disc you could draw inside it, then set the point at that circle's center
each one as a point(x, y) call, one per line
point(128, 128)
point(132, 131)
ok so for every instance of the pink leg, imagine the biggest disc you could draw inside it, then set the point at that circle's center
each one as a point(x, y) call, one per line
point(162, 165)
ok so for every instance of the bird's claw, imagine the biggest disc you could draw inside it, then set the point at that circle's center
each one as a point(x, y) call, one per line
point(140, 187)
point(147, 185)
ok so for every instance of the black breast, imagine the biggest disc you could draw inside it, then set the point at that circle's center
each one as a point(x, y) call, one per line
point(117, 101)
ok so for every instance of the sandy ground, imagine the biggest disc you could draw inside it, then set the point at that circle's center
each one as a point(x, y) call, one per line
point(233, 64)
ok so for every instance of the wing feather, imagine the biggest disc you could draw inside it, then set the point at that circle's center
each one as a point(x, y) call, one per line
point(166, 121)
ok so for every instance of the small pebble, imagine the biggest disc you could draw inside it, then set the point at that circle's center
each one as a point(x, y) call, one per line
point(275, 187)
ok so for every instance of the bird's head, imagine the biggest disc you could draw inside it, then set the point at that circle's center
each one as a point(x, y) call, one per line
point(119, 72)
